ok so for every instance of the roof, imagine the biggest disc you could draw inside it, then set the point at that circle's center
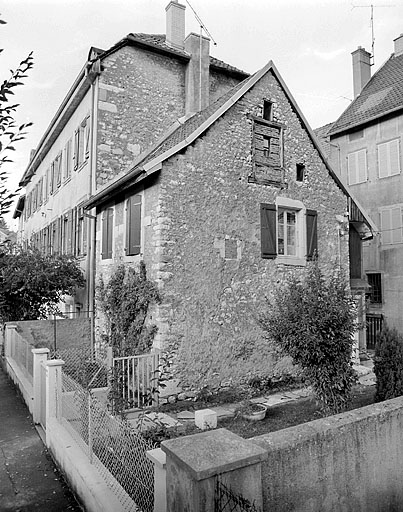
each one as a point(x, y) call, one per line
point(184, 133)
point(382, 95)
point(156, 42)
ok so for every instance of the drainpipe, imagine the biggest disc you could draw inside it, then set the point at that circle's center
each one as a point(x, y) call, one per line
point(91, 253)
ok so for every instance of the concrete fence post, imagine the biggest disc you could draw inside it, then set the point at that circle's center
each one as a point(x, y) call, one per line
point(199, 464)
point(9, 340)
point(40, 355)
point(158, 457)
point(53, 389)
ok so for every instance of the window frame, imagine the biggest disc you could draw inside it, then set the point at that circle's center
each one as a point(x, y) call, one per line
point(306, 240)
point(353, 157)
point(388, 145)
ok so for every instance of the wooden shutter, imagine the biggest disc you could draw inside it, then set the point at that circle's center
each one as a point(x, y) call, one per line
point(76, 148)
point(87, 138)
point(107, 231)
point(133, 225)
point(268, 230)
point(311, 234)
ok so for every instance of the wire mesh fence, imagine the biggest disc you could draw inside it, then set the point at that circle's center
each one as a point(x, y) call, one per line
point(226, 500)
point(20, 351)
point(111, 445)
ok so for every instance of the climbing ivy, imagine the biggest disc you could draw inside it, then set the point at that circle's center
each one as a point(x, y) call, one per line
point(124, 301)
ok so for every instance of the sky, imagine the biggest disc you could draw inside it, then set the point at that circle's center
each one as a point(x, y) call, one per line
point(309, 41)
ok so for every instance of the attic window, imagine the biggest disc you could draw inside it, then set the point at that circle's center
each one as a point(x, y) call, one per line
point(300, 172)
point(267, 110)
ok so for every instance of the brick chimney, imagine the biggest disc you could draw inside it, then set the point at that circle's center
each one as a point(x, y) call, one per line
point(175, 24)
point(197, 78)
point(361, 69)
point(398, 45)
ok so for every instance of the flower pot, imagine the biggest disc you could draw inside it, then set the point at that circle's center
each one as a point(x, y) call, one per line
point(258, 412)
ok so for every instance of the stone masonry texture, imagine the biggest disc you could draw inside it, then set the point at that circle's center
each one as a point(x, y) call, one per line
point(211, 304)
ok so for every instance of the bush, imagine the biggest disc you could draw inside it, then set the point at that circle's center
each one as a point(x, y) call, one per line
point(388, 365)
point(313, 319)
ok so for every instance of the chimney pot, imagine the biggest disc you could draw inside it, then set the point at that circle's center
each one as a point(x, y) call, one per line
point(175, 24)
point(398, 45)
point(361, 69)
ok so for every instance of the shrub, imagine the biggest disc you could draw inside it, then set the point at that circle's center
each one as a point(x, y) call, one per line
point(312, 319)
point(388, 365)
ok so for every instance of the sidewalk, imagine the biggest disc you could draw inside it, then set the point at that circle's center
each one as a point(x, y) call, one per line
point(29, 480)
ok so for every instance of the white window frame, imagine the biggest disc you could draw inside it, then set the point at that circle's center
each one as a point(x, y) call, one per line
point(384, 156)
point(391, 222)
point(356, 171)
point(286, 204)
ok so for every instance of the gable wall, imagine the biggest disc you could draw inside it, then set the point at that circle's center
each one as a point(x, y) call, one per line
point(140, 95)
point(208, 315)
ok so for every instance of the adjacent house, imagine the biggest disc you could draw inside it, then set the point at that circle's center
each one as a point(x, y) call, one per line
point(365, 149)
point(124, 99)
point(230, 201)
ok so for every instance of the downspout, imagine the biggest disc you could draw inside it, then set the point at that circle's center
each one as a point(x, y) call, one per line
point(91, 259)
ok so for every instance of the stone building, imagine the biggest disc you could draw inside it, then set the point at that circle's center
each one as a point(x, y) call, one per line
point(225, 205)
point(124, 99)
point(364, 147)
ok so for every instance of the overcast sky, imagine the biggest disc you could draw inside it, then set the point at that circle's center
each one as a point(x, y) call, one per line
point(310, 42)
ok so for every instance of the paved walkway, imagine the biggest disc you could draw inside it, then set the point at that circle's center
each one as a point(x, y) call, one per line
point(29, 480)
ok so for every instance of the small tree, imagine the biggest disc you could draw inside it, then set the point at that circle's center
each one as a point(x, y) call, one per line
point(125, 300)
point(313, 319)
point(388, 365)
point(32, 284)
point(10, 131)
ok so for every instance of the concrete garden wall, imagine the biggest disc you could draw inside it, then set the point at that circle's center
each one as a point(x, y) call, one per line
point(349, 462)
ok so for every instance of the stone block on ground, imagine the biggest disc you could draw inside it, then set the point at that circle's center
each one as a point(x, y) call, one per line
point(205, 419)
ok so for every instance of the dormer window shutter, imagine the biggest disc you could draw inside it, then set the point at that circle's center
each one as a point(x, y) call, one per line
point(268, 228)
point(311, 233)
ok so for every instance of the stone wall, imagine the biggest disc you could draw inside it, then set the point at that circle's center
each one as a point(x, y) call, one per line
point(209, 207)
point(141, 94)
point(352, 462)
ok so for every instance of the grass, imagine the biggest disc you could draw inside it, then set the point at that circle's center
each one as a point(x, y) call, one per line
point(278, 417)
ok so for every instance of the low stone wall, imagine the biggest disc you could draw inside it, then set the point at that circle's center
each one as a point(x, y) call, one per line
point(350, 462)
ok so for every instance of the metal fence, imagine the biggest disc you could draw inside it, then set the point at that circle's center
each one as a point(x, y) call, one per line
point(20, 351)
point(115, 449)
point(226, 500)
point(135, 379)
point(374, 327)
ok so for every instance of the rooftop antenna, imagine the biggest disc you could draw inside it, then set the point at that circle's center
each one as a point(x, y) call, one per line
point(202, 27)
point(372, 25)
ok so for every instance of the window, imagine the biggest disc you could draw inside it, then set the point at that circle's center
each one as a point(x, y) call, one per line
point(82, 141)
point(67, 161)
point(391, 225)
point(300, 175)
point(375, 282)
point(388, 158)
point(133, 225)
point(58, 170)
point(357, 167)
point(81, 234)
point(288, 231)
point(267, 110)
point(267, 153)
point(107, 233)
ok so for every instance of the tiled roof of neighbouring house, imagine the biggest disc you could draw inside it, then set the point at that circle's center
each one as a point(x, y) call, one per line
point(383, 94)
point(322, 134)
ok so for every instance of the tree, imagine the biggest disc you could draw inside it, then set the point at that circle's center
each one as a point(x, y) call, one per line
point(33, 284)
point(10, 131)
point(313, 319)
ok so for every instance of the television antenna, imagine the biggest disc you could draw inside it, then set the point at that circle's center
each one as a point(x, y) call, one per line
point(202, 25)
point(371, 6)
